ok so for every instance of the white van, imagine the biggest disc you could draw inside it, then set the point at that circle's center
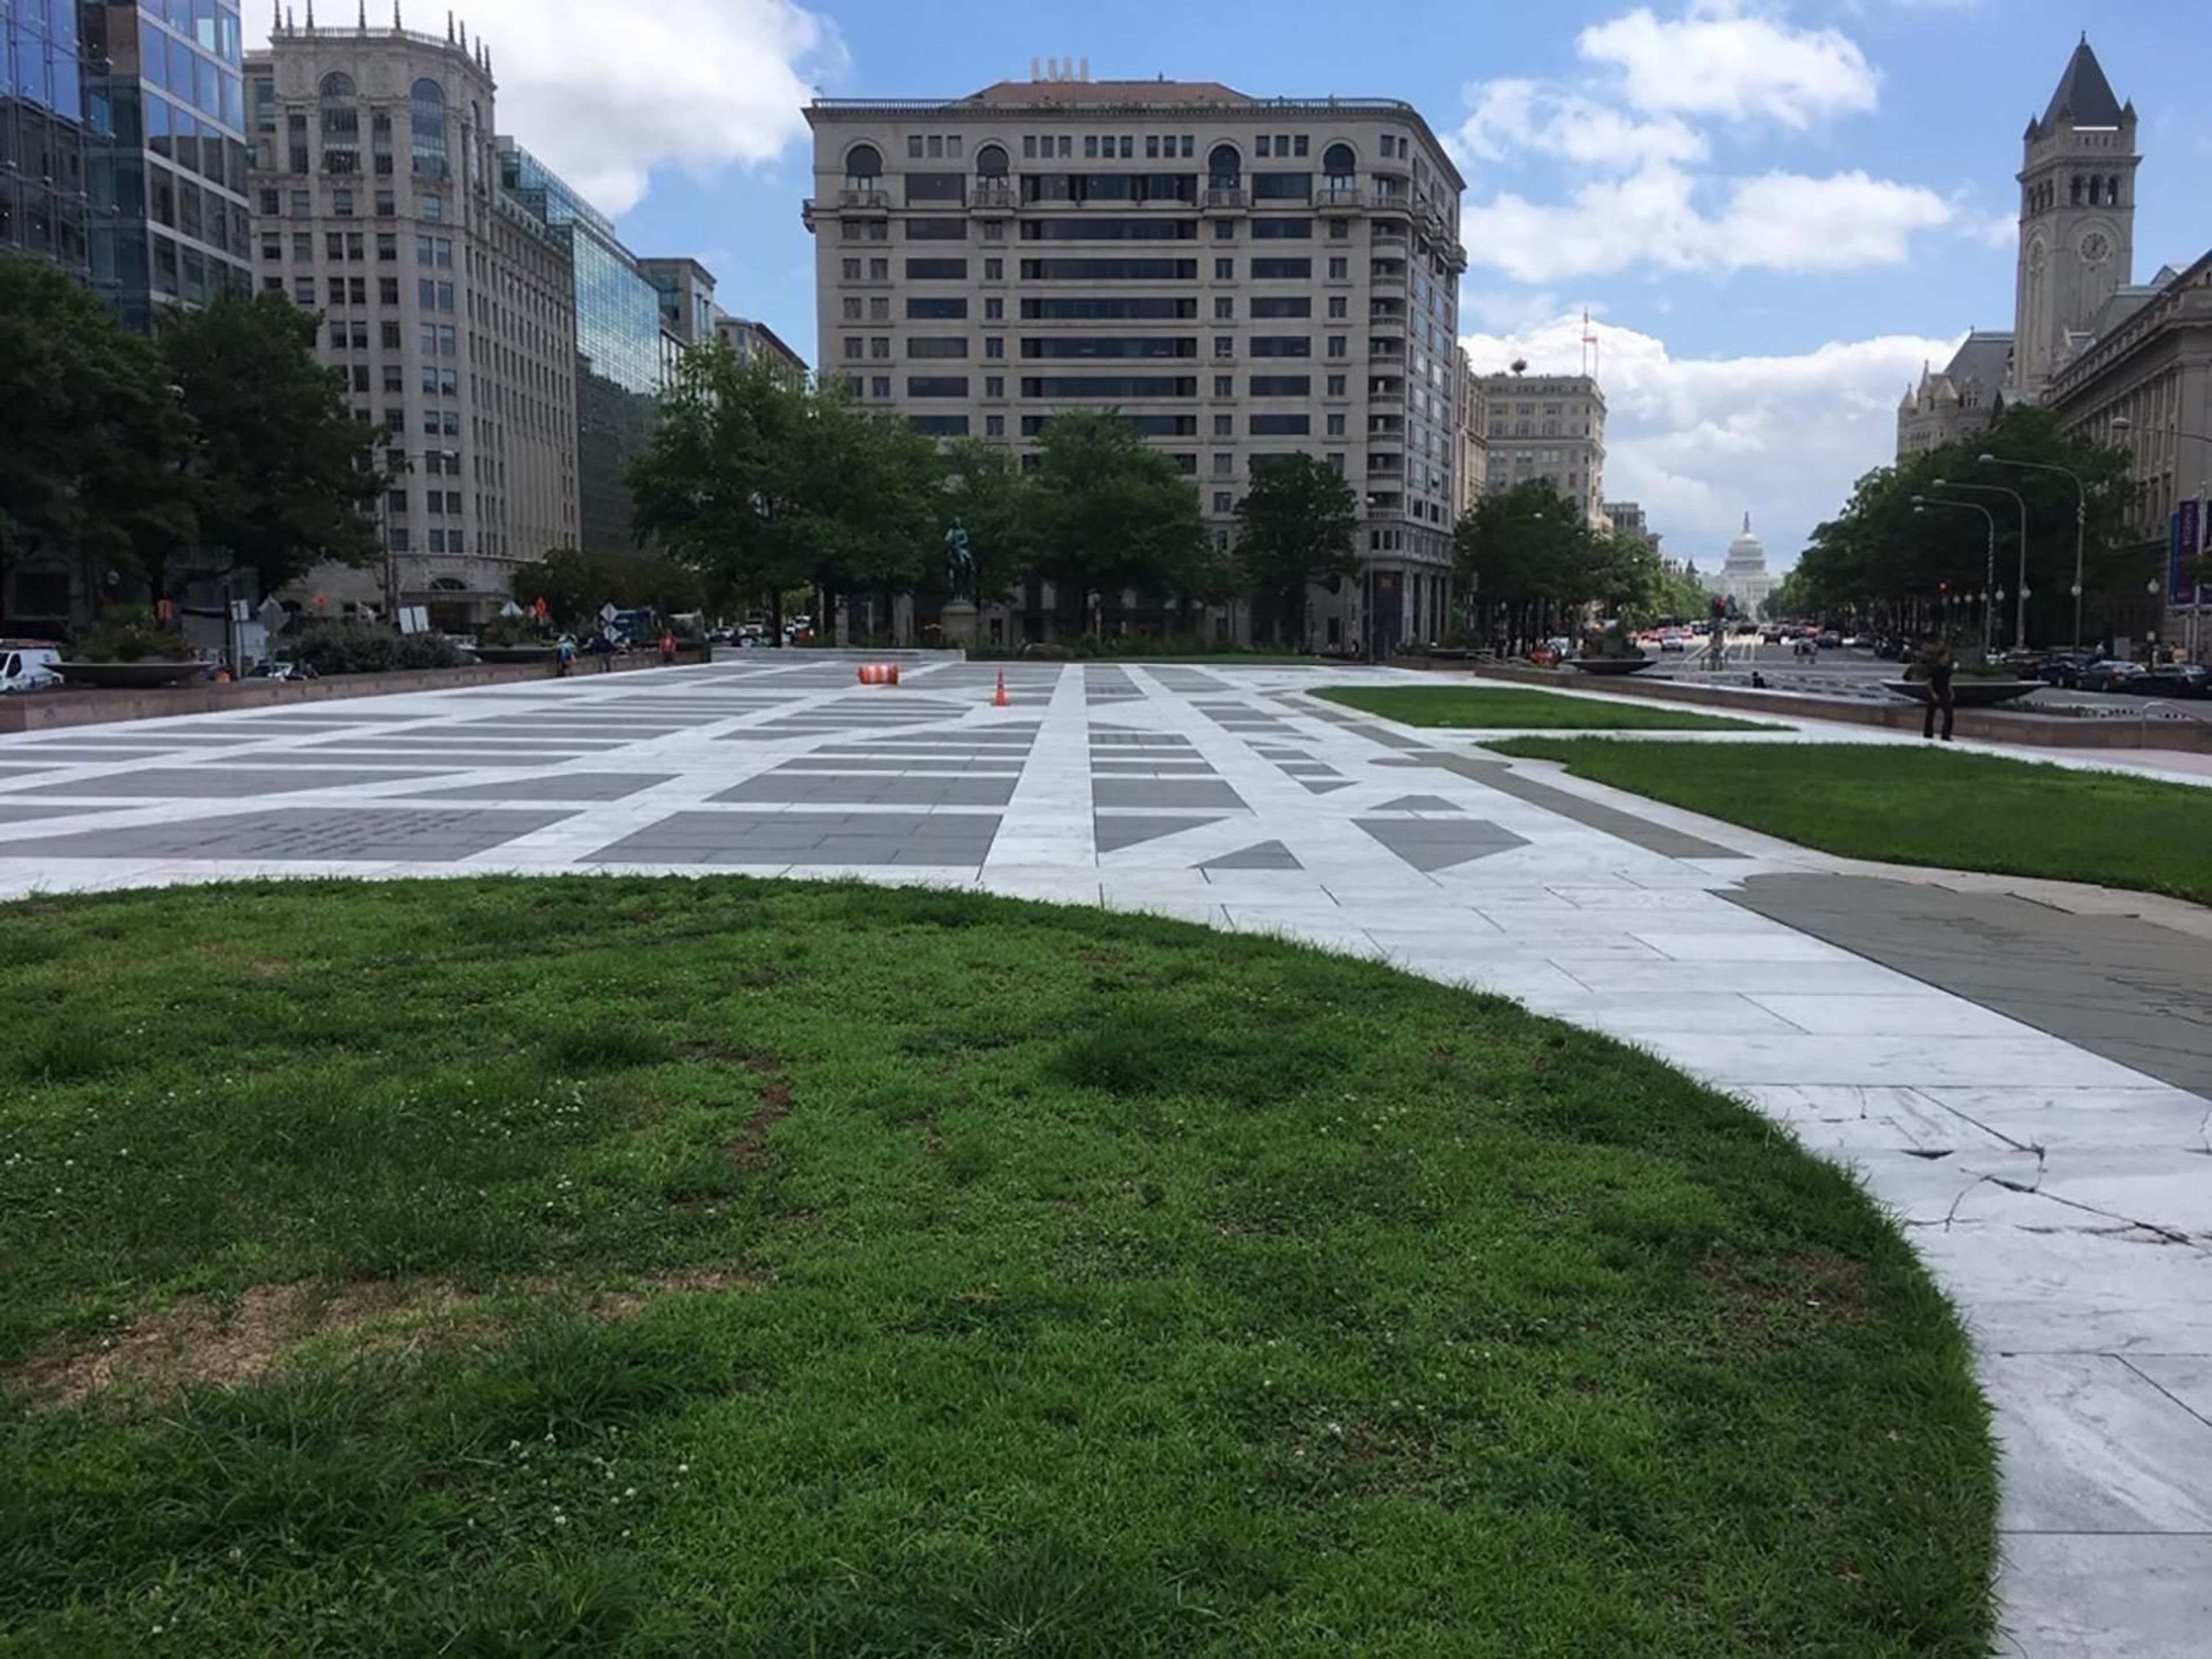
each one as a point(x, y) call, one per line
point(27, 667)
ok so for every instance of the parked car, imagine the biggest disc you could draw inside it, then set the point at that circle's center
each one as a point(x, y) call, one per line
point(1830, 640)
point(1672, 642)
point(2180, 679)
point(29, 666)
point(281, 671)
point(2109, 675)
point(2058, 667)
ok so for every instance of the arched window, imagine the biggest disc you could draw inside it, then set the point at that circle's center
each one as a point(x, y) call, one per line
point(2112, 191)
point(864, 167)
point(2077, 189)
point(1224, 169)
point(425, 126)
point(341, 125)
point(1339, 164)
point(2096, 190)
point(990, 162)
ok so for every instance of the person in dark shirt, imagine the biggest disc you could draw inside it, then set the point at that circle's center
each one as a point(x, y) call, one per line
point(1939, 670)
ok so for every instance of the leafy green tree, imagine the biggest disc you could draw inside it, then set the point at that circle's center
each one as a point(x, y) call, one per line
point(280, 473)
point(1881, 563)
point(93, 442)
point(1524, 555)
point(1112, 515)
point(986, 492)
point(1298, 524)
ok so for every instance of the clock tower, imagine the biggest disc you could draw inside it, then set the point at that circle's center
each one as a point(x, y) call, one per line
point(2077, 218)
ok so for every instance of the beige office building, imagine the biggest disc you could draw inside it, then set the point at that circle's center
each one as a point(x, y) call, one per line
point(1548, 427)
point(448, 307)
point(1241, 276)
point(1470, 439)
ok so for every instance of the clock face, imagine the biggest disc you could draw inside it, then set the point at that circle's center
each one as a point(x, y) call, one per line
point(2096, 248)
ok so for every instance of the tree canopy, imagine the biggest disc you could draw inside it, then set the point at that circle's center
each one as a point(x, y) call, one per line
point(1880, 561)
point(1111, 515)
point(1298, 524)
point(224, 434)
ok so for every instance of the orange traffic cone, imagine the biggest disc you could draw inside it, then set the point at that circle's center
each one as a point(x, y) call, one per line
point(998, 697)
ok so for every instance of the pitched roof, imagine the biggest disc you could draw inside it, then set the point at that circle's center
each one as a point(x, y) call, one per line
point(2084, 95)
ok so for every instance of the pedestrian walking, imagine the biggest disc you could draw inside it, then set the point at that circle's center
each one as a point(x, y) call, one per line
point(565, 654)
point(668, 647)
point(1939, 670)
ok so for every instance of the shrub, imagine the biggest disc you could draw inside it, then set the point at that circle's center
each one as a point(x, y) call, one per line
point(354, 647)
point(129, 634)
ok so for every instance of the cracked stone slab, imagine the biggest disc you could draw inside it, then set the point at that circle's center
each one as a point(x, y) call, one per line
point(370, 833)
point(1262, 856)
point(1429, 844)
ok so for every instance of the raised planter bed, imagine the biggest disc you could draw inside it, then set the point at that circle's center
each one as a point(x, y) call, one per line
point(131, 676)
point(1966, 693)
point(1611, 665)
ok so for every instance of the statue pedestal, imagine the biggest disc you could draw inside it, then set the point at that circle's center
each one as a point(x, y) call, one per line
point(958, 619)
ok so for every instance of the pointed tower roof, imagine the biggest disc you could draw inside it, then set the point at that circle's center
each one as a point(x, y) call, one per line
point(2084, 96)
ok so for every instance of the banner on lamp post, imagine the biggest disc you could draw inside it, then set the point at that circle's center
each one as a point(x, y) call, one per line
point(2181, 554)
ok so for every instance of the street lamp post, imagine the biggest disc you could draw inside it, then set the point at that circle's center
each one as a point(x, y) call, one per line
point(2081, 519)
point(1922, 504)
point(2019, 627)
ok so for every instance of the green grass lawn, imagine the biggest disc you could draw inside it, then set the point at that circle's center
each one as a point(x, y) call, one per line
point(656, 1268)
point(1930, 806)
point(1499, 708)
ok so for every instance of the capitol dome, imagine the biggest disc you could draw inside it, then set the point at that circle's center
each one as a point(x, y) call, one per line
point(1746, 554)
point(1743, 575)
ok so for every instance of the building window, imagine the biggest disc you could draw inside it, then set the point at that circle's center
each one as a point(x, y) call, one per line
point(994, 310)
point(1336, 426)
point(994, 271)
point(1224, 345)
point(342, 203)
point(852, 271)
point(387, 290)
point(1224, 385)
point(1337, 308)
point(1225, 465)
point(994, 386)
point(1224, 501)
point(879, 346)
point(853, 345)
point(387, 205)
point(1225, 426)
point(880, 385)
point(1224, 270)
point(994, 426)
point(994, 346)
point(852, 307)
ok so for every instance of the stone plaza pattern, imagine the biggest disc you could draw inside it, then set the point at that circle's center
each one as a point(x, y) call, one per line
point(2041, 1132)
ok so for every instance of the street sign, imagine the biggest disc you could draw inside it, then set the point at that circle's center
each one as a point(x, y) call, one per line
point(510, 609)
point(273, 615)
point(242, 611)
point(414, 619)
point(608, 613)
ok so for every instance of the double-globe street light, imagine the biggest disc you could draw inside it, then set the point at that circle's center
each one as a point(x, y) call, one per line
point(1922, 504)
point(2019, 627)
point(2081, 518)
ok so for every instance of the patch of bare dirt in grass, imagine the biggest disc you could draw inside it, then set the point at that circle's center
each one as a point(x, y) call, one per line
point(231, 1341)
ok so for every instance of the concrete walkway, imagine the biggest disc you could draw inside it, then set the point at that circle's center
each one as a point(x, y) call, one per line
point(2053, 1167)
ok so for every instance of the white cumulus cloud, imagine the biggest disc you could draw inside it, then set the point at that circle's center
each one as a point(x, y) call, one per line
point(1702, 441)
point(1640, 189)
point(604, 91)
point(1725, 59)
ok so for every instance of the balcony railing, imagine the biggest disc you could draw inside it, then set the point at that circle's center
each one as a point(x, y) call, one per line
point(857, 197)
point(992, 196)
point(1225, 196)
point(1342, 196)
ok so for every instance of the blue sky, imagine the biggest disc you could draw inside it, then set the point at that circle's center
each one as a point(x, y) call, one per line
point(1775, 211)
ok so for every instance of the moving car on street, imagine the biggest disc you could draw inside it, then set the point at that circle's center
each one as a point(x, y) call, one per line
point(29, 666)
point(2109, 675)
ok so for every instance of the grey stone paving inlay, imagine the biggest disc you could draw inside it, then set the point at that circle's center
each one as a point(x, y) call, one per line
point(560, 787)
point(1636, 832)
point(1110, 833)
point(219, 782)
point(1439, 843)
point(1163, 792)
point(872, 789)
point(950, 839)
point(1417, 803)
point(2118, 986)
point(376, 834)
point(1266, 855)
point(15, 811)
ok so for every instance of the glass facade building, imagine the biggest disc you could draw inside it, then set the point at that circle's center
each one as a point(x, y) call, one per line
point(165, 168)
point(43, 135)
point(618, 350)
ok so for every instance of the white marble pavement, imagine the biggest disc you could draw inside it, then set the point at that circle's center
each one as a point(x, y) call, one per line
point(2064, 1201)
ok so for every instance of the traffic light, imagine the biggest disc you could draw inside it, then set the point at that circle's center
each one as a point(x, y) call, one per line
point(1720, 607)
